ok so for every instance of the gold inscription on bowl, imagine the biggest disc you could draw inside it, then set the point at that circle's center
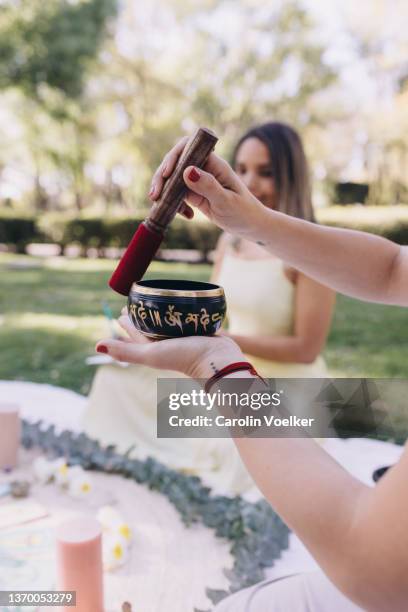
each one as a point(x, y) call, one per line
point(173, 317)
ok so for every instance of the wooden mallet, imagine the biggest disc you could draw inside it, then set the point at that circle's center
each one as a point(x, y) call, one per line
point(150, 232)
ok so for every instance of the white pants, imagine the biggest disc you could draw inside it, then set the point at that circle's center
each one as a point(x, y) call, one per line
point(308, 592)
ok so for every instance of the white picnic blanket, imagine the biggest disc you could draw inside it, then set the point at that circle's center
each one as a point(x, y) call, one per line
point(172, 565)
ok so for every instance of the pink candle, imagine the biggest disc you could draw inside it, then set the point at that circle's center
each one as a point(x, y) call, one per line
point(79, 563)
point(10, 435)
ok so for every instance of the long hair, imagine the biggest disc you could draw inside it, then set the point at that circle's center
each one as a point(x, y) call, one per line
point(289, 167)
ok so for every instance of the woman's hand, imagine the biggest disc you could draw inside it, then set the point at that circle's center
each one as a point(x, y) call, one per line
point(216, 191)
point(194, 356)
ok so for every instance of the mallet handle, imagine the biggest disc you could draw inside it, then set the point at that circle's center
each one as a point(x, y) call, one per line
point(195, 153)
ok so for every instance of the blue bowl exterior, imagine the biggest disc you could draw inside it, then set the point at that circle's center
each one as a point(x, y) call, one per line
point(176, 316)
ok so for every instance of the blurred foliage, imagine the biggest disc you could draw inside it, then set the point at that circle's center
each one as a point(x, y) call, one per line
point(372, 130)
point(388, 221)
point(47, 50)
point(94, 131)
point(100, 233)
point(350, 193)
point(18, 231)
point(94, 92)
point(50, 43)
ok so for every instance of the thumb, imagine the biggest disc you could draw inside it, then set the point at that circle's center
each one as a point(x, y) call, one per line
point(129, 352)
point(147, 353)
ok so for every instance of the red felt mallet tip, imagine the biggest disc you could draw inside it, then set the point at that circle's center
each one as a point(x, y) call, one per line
point(136, 259)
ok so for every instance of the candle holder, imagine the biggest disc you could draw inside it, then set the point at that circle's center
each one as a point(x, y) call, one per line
point(79, 563)
point(10, 435)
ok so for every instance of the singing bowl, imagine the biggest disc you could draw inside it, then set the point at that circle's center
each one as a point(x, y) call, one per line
point(176, 308)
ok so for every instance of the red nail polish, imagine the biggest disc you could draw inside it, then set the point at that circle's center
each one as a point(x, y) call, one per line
point(102, 348)
point(194, 175)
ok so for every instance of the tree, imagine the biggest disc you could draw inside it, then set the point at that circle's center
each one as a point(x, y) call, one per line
point(46, 52)
point(50, 43)
point(99, 123)
point(176, 66)
point(380, 45)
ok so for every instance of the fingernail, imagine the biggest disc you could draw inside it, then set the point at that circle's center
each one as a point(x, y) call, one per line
point(152, 190)
point(194, 175)
point(164, 169)
point(101, 348)
point(189, 213)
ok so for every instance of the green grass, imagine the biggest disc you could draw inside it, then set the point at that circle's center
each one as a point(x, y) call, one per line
point(368, 340)
point(51, 317)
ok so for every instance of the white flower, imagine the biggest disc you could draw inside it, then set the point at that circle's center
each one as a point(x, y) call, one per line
point(79, 484)
point(115, 552)
point(125, 531)
point(43, 469)
point(116, 537)
point(114, 524)
point(75, 478)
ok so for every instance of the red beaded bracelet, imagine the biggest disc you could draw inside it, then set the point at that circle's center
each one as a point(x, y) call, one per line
point(238, 366)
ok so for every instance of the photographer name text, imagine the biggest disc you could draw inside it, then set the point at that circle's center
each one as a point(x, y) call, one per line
point(247, 421)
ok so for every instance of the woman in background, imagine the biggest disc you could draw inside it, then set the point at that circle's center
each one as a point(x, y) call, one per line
point(278, 316)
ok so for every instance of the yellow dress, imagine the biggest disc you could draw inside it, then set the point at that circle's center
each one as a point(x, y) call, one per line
point(261, 301)
point(121, 407)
